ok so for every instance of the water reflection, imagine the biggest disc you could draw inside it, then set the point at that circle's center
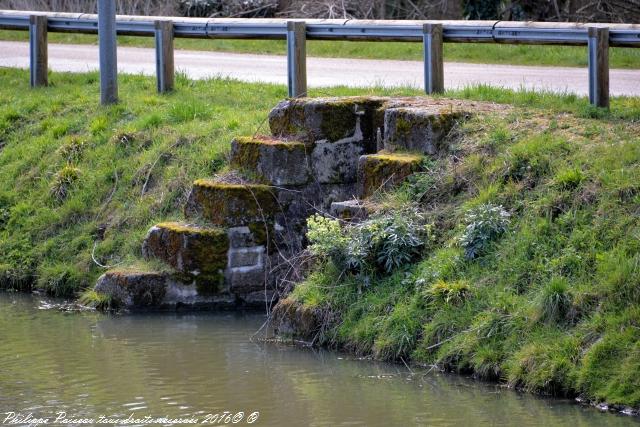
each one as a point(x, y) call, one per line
point(173, 365)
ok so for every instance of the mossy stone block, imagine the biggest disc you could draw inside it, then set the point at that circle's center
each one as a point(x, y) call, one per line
point(133, 289)
point(325, 119)
point(349, 210)
point(231, 205)
point(335, 162)
point(188, 248)
point(419, 129)
point(280, 162)
point(384, 171)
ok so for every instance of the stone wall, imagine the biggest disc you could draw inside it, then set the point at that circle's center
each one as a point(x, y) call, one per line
point(238, 242)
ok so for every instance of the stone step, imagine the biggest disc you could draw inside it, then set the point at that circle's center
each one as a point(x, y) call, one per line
point(277, 161)
point(288, 163)
point(350, 210)
point(420, 128)
point(232, 205)
point(187, 248)
point(328, 119)
point(384, 171)
point(150, 290)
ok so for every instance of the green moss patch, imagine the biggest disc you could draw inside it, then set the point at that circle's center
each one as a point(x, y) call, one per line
point(384, 170)
point(231, 204)
point(188, 248)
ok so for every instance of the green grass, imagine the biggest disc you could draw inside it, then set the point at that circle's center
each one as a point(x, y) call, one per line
point(553, 306)
point(569, 56)
point(75, 174)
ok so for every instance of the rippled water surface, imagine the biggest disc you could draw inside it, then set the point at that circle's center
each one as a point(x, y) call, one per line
point(89, 364)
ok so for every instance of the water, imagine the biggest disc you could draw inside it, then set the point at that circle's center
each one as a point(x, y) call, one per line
point(191, 365)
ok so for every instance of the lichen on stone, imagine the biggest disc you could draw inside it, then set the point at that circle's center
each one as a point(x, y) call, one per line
point(187, 248)
point(385, 170)
point(231, 204)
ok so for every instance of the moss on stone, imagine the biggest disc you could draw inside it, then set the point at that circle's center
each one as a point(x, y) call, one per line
point(246, 151)
point(403, 127)
point(210, 284)
point(188, 248)
point(142, 288)
point(231, 204)
point(338, 120)
point(385, 170)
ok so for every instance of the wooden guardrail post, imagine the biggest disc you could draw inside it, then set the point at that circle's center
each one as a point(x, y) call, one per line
point(108, 52)
point(164, 55)
point(297, 58)
point(433, 58)
point(38, 55)
point(598, 46)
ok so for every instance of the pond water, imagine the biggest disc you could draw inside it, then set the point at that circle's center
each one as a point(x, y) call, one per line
point(89, 365)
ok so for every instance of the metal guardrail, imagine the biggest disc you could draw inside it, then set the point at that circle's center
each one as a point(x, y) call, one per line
point(598, 37)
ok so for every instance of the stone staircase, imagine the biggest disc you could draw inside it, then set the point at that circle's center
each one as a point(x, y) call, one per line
point(241, 230)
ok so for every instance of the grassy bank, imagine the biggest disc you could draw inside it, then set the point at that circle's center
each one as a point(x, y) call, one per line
point(551, 304)
point(75, 175)
point(516, 260)
point(79, 181)
point(569, 56)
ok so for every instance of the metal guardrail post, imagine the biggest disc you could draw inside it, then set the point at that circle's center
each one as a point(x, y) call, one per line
point(108, 52)
point(164, 55)
point(38, 55)
point(433, 58)
point(598, 47)
point(297, 58)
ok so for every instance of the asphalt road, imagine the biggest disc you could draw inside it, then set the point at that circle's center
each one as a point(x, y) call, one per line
point(323, 72)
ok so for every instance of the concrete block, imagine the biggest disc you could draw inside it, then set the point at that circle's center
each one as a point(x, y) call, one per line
point(278, 162)
point(419, 129)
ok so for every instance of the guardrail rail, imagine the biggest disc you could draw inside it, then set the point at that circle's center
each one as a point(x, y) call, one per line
point(432, 34)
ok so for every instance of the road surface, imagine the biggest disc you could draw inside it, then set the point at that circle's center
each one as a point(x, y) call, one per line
point(323, 72)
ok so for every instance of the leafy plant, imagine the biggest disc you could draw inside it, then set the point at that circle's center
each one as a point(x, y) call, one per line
point(327, 238)
point(485, 224)
point(382, 243)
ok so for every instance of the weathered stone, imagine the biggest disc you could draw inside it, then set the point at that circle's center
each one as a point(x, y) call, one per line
point(290, 318)
point(330, 119)
point(279, 162)
point(243, 280)
point(247, 236)
point(188, 248)
point(135, 289)
point(258, 299)
point(138, 290)
point(383, 171)
point(244, 257)
point(421, 129)
point(336, 162)
point(231, 204)
point(349, 210)
point(300, 204)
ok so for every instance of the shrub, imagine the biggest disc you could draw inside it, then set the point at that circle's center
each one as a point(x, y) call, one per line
point(380, 244)
point(388, 241)
point(485, 224)
point(327, 239)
